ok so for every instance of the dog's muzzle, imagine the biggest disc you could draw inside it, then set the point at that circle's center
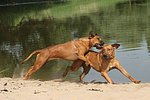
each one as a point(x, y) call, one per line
point(106, 56)
point(99, 45)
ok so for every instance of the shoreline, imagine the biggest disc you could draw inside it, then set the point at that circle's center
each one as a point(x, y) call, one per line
point(18, 89)
point(25, 3)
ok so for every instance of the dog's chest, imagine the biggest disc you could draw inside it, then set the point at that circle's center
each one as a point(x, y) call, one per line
point(111, 66)
point(107, 66)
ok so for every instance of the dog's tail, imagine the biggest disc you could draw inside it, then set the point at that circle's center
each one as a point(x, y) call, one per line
point(37, 51)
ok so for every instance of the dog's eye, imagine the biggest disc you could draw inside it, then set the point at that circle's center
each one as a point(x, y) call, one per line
point(97, 38)
point(109, 49)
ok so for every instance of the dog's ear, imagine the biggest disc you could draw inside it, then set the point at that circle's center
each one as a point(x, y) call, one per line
point(99, 47)
point(91, 35)
point(115, 46)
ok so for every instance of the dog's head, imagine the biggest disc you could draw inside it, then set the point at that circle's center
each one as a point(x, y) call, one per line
point(95, 40)
point(108, 51)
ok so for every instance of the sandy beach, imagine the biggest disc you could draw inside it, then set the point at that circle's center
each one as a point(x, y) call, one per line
point(18, 89)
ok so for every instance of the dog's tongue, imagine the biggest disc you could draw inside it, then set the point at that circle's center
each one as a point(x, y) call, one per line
point(97, 45)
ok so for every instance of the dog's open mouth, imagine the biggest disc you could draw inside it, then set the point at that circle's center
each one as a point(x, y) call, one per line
point(99, 45)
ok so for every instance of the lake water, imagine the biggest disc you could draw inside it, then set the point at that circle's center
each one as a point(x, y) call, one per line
point(26, 28)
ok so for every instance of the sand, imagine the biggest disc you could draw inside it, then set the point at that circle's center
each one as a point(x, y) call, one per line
point(18, 89)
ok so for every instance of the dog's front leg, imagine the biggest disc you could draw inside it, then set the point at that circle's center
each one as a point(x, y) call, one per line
point(82, 57)
point(124, 72)
point(105, 75)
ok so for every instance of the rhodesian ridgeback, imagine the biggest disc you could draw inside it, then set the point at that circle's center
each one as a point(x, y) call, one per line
point(102, 62)
point(71, 51)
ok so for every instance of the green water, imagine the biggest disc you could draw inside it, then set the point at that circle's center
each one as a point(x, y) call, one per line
point(26, 28)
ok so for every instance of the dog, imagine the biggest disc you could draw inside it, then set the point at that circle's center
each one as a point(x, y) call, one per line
point(102, 61)
point(71, 51)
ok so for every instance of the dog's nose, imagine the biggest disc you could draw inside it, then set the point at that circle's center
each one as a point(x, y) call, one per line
point(105, 55)
point(102, 43)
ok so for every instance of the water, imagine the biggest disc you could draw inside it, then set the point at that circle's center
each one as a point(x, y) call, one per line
point(27, 28)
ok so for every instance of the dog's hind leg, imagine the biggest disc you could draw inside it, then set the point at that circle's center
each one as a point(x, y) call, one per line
point(40, 61)
point(86, 69)
point(28, 71)
point(75, 66)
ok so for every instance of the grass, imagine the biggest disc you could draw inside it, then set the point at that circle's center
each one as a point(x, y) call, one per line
point(79, 7)
point(4, 70)
point(57, 10)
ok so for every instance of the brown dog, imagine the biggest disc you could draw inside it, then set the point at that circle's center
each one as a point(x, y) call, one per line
point(71, 50)
point(102, 61)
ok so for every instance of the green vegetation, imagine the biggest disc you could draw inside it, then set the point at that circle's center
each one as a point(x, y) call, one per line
point(56, 9)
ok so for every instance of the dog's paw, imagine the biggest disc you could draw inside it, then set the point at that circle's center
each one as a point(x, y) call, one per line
point(81, 81)
point(64, 74)
point(138, 81)
point(24, 75)
point(66, 71)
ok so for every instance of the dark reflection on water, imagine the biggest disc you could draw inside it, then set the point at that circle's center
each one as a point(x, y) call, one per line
point(128, 25)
